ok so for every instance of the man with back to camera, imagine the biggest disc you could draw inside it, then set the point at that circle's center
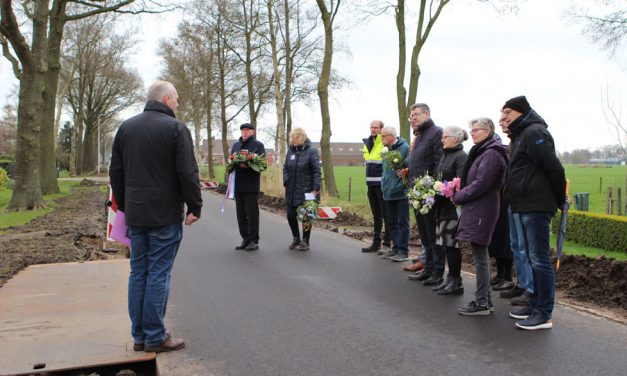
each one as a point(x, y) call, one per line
point(534, 189)
point(153, 176)
point(374, 168)
point(247, 187)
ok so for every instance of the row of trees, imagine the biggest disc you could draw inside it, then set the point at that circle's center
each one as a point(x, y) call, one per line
point(233, 57)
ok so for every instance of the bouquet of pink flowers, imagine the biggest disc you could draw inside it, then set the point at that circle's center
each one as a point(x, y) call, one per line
point(448, 188)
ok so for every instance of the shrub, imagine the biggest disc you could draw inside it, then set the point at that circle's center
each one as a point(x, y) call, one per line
point(595, 230)
point(4, 178)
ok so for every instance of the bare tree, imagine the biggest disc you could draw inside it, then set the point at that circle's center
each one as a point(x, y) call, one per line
point(603, 21)
point(99, 84)
point(328, 14)
point(244, 19)
point(8, 130)
point(37, 66)
point(613, 115)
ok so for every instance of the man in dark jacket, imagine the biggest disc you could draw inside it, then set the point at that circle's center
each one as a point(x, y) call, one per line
point(426, 151)
point(534, 189)
point(153, 176)
point(247, 182)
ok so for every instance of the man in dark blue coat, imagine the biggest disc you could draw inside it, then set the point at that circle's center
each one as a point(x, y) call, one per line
point(534, 189)
point(153, 176)
point(426, 151)
point(247, 184)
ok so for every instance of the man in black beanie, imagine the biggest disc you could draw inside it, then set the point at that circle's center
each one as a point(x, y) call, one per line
point(247, 187)
point(534, 189)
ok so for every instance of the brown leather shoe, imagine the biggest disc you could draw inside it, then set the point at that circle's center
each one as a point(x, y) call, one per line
point(415, 267)
point(169, 344)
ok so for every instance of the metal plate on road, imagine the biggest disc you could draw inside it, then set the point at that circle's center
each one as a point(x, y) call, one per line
point(66, 316)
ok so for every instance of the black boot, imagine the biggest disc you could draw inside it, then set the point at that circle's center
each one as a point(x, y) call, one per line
point(455, 287)
point(376, 245)
point(295, 243)
point(443, 284)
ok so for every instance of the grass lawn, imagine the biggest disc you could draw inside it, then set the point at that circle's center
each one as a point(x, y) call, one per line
point(595, 181)
point(9, 219)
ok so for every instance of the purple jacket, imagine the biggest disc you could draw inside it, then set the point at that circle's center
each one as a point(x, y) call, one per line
point(480, 197)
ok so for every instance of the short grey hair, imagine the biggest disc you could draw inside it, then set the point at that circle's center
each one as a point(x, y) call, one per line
point(484, 122)
point(422, 106)
point(159, 89)
point(390, 130)
point(459, 134)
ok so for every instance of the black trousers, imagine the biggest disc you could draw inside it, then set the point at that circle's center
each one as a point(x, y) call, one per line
point(292, 219)
point(379, 213)
point(247, 208)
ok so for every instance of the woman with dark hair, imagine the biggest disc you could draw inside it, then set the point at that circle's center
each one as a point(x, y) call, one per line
point(450, 166)
point(301, 175)
point(479, 196)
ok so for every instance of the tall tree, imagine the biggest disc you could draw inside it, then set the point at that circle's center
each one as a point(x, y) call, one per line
point(244, 18)
point(327, 14)
point(37, 67)
point(99, 84)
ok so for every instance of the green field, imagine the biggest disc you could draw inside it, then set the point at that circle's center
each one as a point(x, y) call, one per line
point(595, 181)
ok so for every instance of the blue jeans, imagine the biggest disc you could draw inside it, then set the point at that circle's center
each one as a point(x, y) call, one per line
point(536, 230)
point(434, 255)
point(518, 244)
point(398, 214)
point(153, 250)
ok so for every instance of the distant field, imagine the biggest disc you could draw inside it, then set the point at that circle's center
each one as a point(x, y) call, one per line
point(595, 181)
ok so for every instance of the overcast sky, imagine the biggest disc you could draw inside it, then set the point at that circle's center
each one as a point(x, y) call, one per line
point(474, 60)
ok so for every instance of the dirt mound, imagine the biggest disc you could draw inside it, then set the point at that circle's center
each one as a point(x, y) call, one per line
point(74, 231)
point(602, 280)
point(350, 219)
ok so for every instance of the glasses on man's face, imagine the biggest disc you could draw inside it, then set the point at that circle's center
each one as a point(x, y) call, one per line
point(473, 131)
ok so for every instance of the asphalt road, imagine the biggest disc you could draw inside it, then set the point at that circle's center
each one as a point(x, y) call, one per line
point(336, 311)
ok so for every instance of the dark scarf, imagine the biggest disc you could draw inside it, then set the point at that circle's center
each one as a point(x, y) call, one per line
point(474, 153)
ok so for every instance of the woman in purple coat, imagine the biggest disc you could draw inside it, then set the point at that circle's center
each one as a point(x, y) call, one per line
point(479, 197)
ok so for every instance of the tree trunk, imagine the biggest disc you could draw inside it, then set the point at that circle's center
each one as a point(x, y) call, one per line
point(47, 158)
point(27, 193)
point(278, 96)
point(323, 94)
point(209, 113)
point(89, 152)
point(401, 93)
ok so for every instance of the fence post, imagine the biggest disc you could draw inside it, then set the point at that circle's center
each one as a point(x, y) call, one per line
point(609, 207)
point(601, 184)
point(350, 188)
point(620, 199)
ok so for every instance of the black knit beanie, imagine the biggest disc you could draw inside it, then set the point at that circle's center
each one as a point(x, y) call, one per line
point(519, 104)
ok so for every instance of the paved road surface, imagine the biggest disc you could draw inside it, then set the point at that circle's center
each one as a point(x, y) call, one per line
point(336, 311)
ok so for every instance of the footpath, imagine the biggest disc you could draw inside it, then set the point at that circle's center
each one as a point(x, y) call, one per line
point(59, 317)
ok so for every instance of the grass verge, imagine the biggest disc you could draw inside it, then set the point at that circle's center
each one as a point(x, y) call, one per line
point(10, 218)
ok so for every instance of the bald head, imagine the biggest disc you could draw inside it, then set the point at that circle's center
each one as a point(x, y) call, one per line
point(164, 92)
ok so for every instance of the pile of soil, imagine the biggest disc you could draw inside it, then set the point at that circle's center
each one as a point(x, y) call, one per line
point(74, 231)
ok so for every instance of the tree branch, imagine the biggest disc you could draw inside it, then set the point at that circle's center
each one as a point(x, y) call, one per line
point(97, 9)
point(12, 59)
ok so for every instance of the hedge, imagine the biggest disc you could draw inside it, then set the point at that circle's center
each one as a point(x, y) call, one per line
point(595, 230)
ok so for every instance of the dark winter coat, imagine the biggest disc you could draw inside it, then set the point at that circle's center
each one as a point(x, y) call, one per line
point(153, 170)
point(392, 186)
point(480, 196)
point(427, 150)
point(535, 179)
point(301, 173)
point(451, 165)
point(247, 180)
